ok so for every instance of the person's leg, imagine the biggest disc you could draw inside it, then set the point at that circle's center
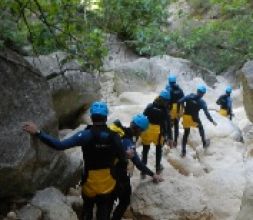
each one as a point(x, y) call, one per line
point(145, 153)
point(176, 130)
point(88, 204)
point(202, 135)
point(124, 201)
point(145, 157)
point(158, 158)
point(103, 203)
point(184, 141)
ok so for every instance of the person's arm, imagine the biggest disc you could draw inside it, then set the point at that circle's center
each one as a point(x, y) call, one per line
point(204, 107)
point(140, 165)
point(184, 99)
point(75, 140)
point(218, 102)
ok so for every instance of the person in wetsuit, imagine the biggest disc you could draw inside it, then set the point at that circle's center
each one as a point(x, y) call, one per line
point(193, 104)
point(129, 136)
point(159, 130)
point(225, 103)
point(176, 93)
point(100, 147)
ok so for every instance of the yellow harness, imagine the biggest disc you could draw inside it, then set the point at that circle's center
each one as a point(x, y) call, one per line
point(152, 135)
point(223, 112)
point(174, 113)
point(98, 182)
point(188, 122)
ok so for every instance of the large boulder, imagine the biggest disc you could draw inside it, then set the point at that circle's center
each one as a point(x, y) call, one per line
point(72, 89)
point(247, 82)
point(145, 74)
point(25, 163)
point(53, 204)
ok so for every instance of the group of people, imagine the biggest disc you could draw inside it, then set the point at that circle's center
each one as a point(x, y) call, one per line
point(107, 149)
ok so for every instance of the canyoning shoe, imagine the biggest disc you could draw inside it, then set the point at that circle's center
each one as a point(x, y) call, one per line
point(206, 144)
point(183, 154)
point(159, 169)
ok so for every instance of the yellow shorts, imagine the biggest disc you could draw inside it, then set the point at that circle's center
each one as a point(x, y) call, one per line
point(188, 122)
point(98, 182)
point(223, 112)
point(174, 113)
point(152, 135)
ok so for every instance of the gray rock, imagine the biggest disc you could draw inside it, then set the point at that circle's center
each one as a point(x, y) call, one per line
point(53, 205)
point(25, 163)
point(72, 89)
point(29, 212)
point(146, 73)
point(246, 75)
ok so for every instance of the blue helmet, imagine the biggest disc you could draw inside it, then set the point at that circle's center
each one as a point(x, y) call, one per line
point(165, 94)
point(229, 89)
point(201, 89)
point(141, 121)
point(99, 108)
point(172, 78)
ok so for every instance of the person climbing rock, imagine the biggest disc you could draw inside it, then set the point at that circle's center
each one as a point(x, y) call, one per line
point(193, 104)
point(176, 93)
point(129, 135)
point(100, 148)
point(225, 103)
point(159, 130)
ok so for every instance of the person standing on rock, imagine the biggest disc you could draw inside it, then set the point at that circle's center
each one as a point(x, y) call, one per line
point(100, 148)
point(128, 135)
point(225, 103)
point(159, 130)
point(193, 104)
point(176, 93)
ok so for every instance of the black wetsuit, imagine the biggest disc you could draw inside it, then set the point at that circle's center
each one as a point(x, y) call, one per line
point(225, 102)
point(193, 104)
point(100, 148)
point(176, 94)
point(157, 115)
point(124, 190)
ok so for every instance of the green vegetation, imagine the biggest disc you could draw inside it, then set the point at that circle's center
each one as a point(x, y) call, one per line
point(216, 35)
point(222, 41)
point(80, 27)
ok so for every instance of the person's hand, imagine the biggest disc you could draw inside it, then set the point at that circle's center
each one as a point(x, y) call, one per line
point(130, 153)
point(157, 178)
point(30, 127)
point(214, 123)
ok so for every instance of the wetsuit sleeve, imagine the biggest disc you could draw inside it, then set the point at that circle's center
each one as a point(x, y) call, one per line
point(141, 166)
point(119, 149)
point(229, 105)
point(76, 140)
point(204, 107)
point(184, 99)
point(218, 102)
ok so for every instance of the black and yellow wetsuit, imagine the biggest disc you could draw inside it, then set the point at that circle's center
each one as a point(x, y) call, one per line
point(225, 103)
point(159, 130)
point(100, 148)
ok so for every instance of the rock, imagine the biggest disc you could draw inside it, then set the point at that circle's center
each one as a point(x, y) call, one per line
point(25, 163)
point(53, 205)
point(118, 52)
point(76, 202)
point(246, 211)
point(172, 199)
point(247, 82)
point(11, 216)
point(145, 74)
point(72, 89)
point(29, 212)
